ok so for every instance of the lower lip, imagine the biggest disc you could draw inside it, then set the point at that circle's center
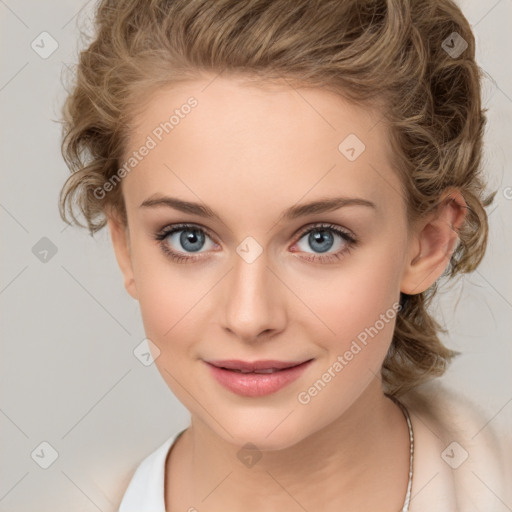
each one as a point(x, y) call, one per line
point(257, 384)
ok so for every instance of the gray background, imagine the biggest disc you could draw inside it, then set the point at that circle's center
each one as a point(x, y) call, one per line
point(68, 373)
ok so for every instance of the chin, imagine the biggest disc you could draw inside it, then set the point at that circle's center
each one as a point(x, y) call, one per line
point(267, 434)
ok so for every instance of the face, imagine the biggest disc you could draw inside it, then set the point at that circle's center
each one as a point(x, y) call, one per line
point(262, 278)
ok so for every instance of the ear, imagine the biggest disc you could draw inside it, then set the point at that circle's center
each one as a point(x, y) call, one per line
point(433, 243)
point(119, 234)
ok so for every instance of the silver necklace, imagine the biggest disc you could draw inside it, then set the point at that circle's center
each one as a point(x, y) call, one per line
point(405, 507)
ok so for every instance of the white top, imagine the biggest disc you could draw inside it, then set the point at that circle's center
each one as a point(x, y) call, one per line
point(461, 464)
point(145, 492)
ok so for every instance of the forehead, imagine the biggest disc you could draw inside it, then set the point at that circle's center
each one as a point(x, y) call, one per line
point(221, 138)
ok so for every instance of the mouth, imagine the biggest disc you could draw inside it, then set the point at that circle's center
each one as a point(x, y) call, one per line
point(256, 378)
point(267, 366)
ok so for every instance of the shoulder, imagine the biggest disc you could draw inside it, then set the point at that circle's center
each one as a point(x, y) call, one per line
point(461, 447)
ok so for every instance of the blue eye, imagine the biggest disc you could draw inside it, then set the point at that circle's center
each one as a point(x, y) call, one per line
point(323, 238)
point(180, 241)
point(191, 239)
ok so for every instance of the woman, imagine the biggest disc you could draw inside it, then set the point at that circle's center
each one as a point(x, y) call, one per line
point(285, 182)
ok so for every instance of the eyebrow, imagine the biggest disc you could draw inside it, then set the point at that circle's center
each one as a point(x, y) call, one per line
point(296, 211)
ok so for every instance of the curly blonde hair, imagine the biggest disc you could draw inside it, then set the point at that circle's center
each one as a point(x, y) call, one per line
point(399, 55)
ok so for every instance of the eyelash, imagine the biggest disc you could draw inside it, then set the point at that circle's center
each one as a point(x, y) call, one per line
point(348, 237)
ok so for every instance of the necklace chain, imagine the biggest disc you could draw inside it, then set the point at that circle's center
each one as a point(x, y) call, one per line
point(405, 507)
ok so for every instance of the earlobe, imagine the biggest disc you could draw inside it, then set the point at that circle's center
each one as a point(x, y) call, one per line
point(433, 244)
point(120, 240)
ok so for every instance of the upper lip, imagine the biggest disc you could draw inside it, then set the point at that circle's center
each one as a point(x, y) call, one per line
point(250, 366)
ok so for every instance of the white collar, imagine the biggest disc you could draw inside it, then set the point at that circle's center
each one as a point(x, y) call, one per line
point(145, 493)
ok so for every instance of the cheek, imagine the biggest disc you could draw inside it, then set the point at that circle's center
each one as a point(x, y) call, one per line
point(170, 302)
point(360, 306)
point(167, 294)
point(355, 298)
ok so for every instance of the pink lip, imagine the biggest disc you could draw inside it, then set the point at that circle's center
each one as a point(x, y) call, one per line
point(256, 384)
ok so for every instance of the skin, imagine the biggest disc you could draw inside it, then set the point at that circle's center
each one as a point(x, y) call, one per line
point(249, 152)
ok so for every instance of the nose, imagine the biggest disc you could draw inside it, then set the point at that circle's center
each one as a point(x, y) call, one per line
point(254, 304)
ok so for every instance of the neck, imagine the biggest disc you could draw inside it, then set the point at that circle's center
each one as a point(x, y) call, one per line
point(360, 462)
